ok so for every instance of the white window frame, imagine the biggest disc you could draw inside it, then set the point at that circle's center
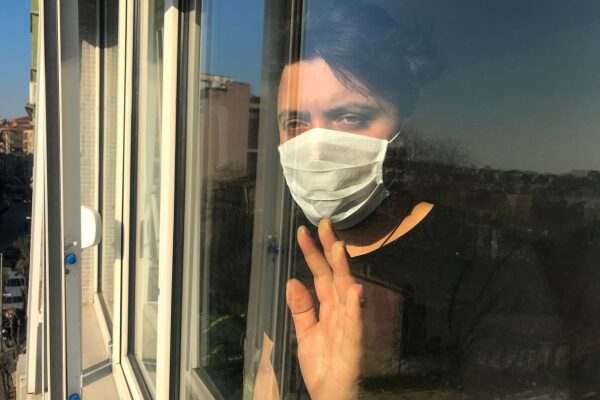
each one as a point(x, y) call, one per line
point(188, 379)
point(127, 387)
point(121, 349)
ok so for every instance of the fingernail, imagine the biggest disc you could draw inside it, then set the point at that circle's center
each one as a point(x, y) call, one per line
point(322, 223)
point(302, 229)
point(360, 290)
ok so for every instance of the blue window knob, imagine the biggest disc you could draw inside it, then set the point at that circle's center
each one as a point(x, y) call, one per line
point(71, 259)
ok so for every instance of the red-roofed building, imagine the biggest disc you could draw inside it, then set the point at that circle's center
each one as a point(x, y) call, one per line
point(16, 136)
point(16, 148)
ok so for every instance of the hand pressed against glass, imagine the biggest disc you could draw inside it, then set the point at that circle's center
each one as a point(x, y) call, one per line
point(330, 347)
point(359, 73)
point(330, 344)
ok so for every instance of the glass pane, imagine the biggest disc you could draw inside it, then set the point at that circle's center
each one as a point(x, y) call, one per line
point(110, 245)
point(454, 147)
point(222, 156)
point(148, 187)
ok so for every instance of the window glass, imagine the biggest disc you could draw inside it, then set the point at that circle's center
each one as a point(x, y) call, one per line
point(448, 152)
point(111, 227)
point(223, 151)
point(476, 259)
point(147, 202)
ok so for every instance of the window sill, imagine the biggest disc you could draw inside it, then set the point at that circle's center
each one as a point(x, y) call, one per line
point(98, 380)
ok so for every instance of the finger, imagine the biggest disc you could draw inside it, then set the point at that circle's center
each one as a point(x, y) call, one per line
point(318, 265)
point(327, 237)
point(342, 278)
point(352, 341)
point(301, 306)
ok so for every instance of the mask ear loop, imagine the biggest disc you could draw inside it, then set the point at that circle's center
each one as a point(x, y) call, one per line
point(397, 133)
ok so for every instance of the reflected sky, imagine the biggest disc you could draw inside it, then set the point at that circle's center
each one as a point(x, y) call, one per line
point(523, 83)
point(235, 46)
point(522, 87)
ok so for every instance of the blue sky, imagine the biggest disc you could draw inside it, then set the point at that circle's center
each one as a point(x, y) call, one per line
point(15, 57)
point(522, 88)
point(236, 45)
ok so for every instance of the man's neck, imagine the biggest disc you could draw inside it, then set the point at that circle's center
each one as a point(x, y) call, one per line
point(396, 216)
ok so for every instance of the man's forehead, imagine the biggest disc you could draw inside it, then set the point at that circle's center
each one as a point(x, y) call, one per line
point(313, 83)
point(306, 69)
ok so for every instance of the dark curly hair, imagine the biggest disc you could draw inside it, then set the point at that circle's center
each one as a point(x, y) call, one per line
point(367, 49)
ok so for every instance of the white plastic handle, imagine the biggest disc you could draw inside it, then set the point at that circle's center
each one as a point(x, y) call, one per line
point(91, 227)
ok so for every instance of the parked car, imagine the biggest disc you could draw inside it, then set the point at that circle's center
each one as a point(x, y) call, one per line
point(14, 284)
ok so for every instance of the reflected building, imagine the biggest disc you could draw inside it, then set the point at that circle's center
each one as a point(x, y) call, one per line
point(230, 115)
point(16, 136)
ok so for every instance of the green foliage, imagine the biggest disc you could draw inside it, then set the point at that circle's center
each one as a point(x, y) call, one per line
point(22, 244)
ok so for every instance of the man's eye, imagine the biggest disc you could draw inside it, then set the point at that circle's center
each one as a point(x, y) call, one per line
point(352, 119)
point(294, 125)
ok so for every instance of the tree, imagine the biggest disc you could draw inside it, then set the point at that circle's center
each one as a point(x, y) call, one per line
point(445, 151)
point(22, 244)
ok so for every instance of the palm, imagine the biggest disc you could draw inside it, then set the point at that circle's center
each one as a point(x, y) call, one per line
point(330, 348)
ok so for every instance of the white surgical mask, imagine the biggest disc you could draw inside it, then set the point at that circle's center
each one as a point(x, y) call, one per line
point(335, 174)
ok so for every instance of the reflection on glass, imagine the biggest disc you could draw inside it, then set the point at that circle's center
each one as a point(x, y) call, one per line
point(477, 255)
point(222, 158)
point(110, 227)
point(477, 263)
point(148, 187)
point(226, 228)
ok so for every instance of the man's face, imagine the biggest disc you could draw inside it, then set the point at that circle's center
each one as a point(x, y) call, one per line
point(310, 96)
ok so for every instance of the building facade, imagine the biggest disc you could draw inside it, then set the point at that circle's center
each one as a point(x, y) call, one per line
point(16, 152)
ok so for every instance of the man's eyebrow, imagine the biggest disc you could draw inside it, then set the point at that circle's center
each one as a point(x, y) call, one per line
point(340, 109)
point(289, 113)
